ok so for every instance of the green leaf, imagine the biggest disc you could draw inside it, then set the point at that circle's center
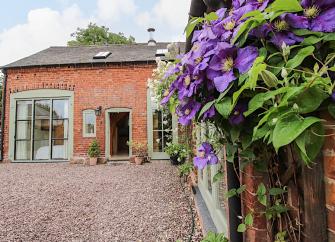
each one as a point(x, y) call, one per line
point(304, 32)
point(234, 134)
point(241, 228)
point(289, 127)
point(218, 177)
point(205, 108)
point(261, 190)
point(231, 193)
point(310, 142)
point(284, 5)
point(329, 37)
point(258, 100)
point(311, 40)
point(275, 191)
point(192, 24)
point(262, 199)
point(211, 16)
point(254, 72)
point(310, 99)
point(249, 220)
point(224, 107)
point(300, 57)
point(241, 189)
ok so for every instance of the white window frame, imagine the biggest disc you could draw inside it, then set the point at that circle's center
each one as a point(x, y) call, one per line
point(86, 135)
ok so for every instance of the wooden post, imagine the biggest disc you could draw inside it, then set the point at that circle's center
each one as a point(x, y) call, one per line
point(315, 217)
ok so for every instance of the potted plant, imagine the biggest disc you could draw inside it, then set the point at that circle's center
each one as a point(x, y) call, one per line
point(140, 151)
point(178, 153)
point(94, 152)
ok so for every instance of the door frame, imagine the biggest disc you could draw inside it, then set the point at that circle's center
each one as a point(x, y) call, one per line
point(107, 129)
point(158, 155)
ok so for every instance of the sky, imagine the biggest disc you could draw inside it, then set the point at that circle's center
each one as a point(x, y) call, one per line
point(29, 26)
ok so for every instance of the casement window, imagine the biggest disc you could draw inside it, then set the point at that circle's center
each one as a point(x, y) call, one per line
point(89, 123)
point(41, 129)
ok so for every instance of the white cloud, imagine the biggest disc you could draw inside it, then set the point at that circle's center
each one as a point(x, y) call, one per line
point(44, 27)
point(115, 10)
point(169, 17)
point(174, 13)
point(143, 19)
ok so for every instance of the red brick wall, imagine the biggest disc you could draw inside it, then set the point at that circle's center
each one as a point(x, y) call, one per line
point(117, 86)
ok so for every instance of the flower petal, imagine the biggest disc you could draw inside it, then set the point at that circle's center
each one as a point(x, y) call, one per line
point(222, 82)
point(325, 22)
point(296, 21)
point(200, 163)
point(212, 159)
point(245, 58)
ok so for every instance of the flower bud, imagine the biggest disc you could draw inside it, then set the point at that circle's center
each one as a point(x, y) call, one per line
point(295, 106)
point(284, 73)
point(269, 78)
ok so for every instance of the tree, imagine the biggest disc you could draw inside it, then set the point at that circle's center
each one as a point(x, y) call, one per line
point(98, 35)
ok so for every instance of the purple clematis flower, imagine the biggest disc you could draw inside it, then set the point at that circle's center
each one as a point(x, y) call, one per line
point(282, 34)
point(261, 32)
point(317, 16)
point(221, 67)
point(187, 110)
point(206, 156)
point(187, 86)
point(237, 117)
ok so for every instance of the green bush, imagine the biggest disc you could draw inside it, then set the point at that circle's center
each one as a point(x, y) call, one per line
point(213, 237)
point(179, 150)
point(94, 149)
point(185, 169)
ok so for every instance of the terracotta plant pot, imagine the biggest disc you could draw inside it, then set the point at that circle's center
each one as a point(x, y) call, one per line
point(139, 160)
point(132, 159)
point(93, 161)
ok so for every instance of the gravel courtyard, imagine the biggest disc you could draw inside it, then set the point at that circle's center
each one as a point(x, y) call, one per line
point(63, 202)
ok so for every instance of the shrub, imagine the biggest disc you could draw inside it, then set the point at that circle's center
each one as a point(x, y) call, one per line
point(94, 149)
point(179, 150)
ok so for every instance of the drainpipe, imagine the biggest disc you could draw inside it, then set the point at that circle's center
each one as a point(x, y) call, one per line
point(3, 110)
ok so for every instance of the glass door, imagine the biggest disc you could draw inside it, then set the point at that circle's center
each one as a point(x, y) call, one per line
point(162, 130)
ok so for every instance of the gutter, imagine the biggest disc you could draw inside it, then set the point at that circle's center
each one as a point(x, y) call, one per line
point(3, 110)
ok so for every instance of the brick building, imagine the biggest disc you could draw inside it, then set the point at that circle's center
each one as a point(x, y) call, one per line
point(60, 99)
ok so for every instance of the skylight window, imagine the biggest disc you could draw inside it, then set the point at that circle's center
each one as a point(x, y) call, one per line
point(102, 55)
point(161, 52)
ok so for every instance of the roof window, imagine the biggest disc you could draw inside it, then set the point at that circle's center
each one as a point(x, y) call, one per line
point(102, 55)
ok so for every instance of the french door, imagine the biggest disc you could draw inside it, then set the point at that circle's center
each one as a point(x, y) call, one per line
point(41, 130)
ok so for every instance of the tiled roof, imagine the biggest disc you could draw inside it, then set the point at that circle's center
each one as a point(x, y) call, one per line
point(84, 55)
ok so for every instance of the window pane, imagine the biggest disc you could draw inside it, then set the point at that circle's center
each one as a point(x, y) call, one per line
point(59, 149)
point(42, 109)
point(23, 130)
point(59, 129)
point(157, 142)
point(23, 110)
point(167, 121)
point(89, 119)
point(41, 129)
point(41, 150)
point(157, 120)
point(167, 139)
point(22, 150)
point(60, 109)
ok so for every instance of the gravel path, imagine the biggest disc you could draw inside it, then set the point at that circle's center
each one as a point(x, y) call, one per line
point(62, 202)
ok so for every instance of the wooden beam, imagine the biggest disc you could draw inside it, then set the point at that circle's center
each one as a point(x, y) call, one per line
point(315, 217)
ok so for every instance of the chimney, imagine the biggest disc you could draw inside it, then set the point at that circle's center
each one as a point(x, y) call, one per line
point(151, 41)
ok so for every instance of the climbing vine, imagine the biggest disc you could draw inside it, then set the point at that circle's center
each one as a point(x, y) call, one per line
point(260, 74)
